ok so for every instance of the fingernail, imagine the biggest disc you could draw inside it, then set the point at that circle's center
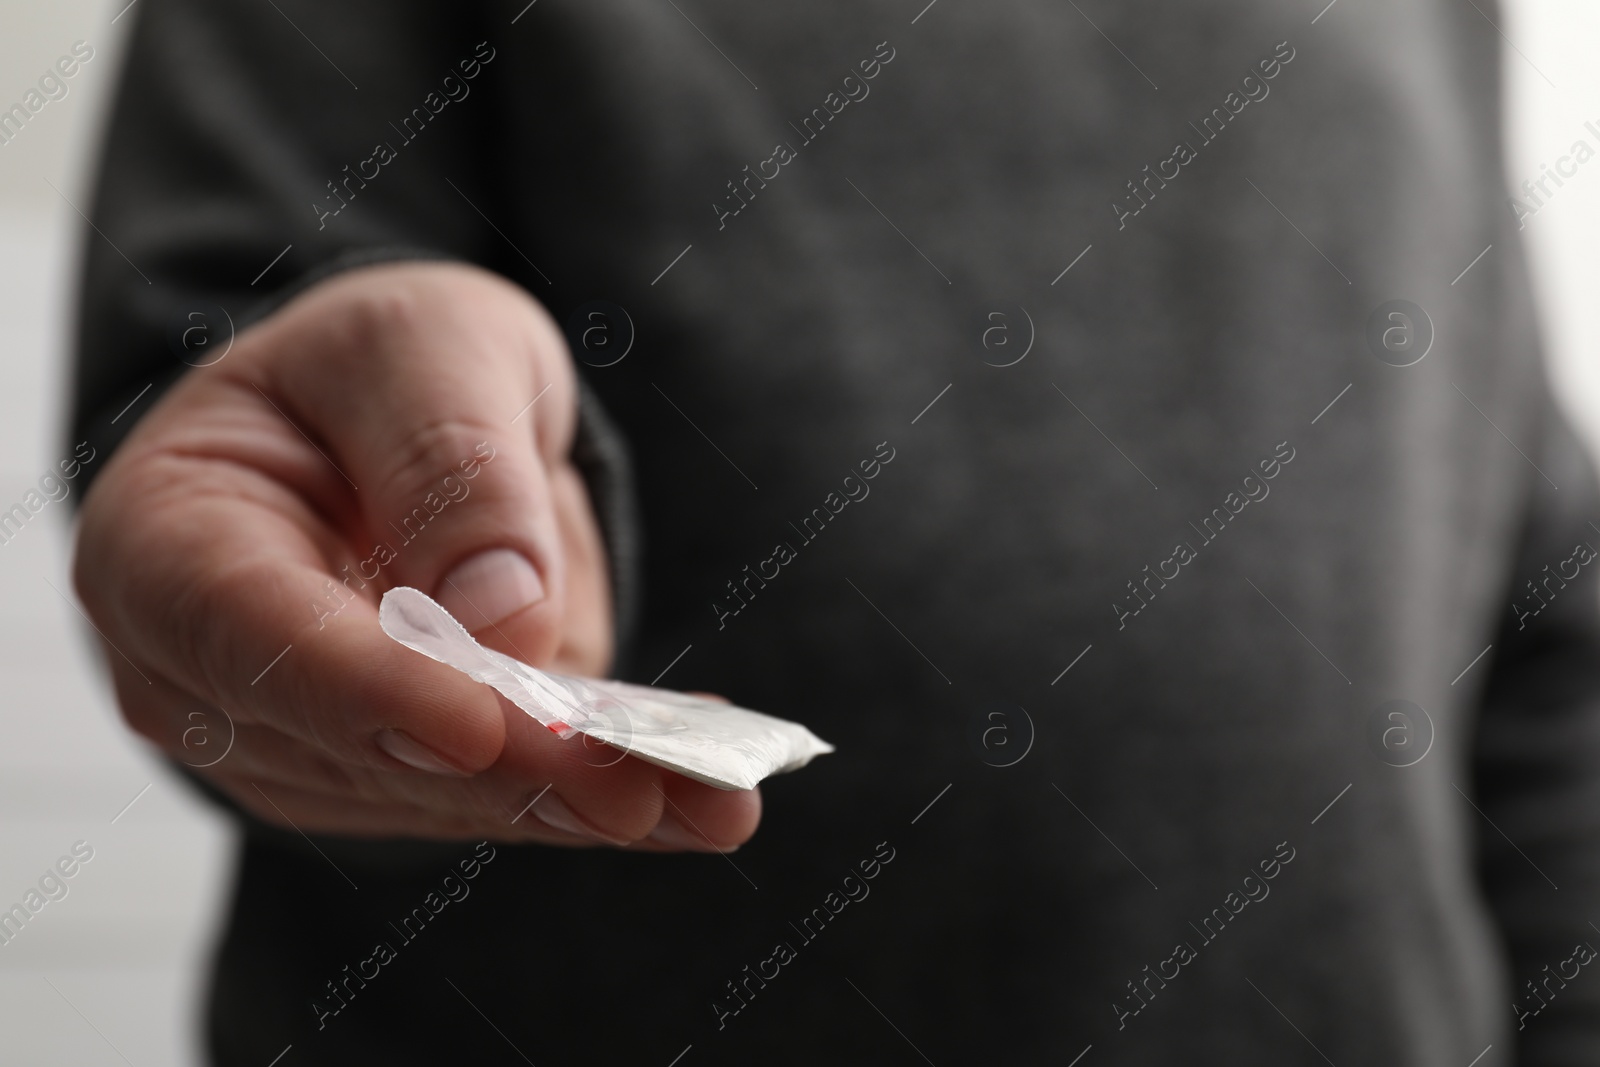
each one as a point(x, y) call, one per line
point(413, 753)
point(553, 812)
point(672, 834)
point(490, 587)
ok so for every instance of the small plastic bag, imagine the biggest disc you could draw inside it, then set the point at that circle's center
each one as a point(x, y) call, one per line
point(718, 744)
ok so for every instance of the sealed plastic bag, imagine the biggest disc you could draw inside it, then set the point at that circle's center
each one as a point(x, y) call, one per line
point(718, 744)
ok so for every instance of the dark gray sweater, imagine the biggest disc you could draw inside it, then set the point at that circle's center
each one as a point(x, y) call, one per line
point(1014, 397)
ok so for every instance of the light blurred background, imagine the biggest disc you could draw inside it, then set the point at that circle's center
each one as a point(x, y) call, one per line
point(112, 973)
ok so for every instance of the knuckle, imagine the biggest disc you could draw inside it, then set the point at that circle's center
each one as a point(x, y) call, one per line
point(369, 318)
point(435, 449)
point(384, 318)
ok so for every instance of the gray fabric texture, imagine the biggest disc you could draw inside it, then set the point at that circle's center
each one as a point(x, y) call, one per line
point(1205, 358)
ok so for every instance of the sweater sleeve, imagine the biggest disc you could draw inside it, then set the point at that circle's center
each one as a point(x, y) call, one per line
point(1538, 764)
point(257, 149)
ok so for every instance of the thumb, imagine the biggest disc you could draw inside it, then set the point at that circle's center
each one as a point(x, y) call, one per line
point(464, 412)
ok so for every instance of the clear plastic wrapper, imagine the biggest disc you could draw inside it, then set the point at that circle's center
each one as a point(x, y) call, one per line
point(719, 744)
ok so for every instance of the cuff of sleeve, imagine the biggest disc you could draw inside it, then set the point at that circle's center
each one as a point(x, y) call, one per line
point(600, 452)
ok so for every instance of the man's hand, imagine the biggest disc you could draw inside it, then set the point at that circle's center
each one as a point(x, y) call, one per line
point(359, 439)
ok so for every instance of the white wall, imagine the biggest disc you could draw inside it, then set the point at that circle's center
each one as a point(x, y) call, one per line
point(123, 950)
point(1553, 87)
point(125, 946)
